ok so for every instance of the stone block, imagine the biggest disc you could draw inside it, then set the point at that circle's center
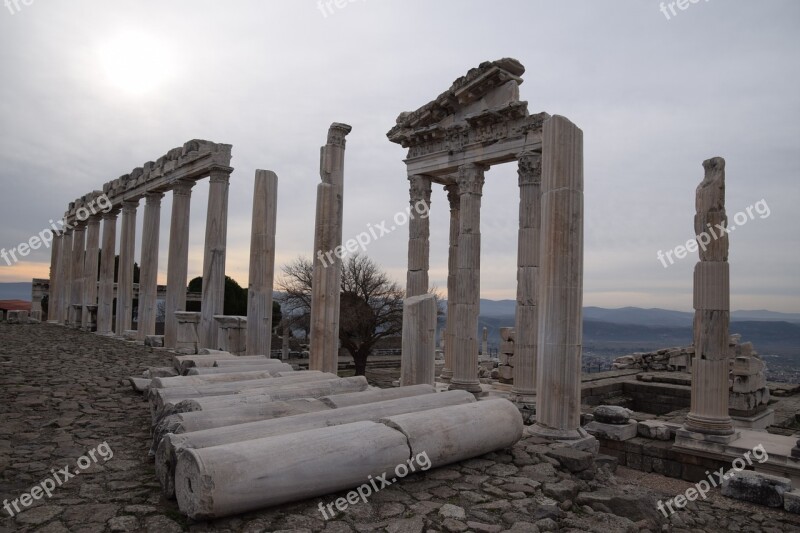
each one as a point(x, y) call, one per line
point(653, 429)
point(155, 341)
point(612, 431)
point(612, 414)
point(17, 317)
point(791, 501)
point(572, 459)
point(755, 487)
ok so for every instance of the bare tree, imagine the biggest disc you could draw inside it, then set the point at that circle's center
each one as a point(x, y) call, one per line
point(371, 303)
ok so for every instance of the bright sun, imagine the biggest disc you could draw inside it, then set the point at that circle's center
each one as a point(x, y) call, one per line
point(135, 63)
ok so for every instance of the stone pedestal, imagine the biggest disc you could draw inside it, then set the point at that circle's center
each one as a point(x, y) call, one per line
point(558, 373)
point(326, 287)
point(262, 263)
point(91, 266)
point(468, 279)
point(214, 257)
point(148, 281)
point(187, 338)
point(127, 249)
point(232, 334)
point(419, 340)
point(527, 313)
point(105, 297)
point(449, 339)
point(178, 260)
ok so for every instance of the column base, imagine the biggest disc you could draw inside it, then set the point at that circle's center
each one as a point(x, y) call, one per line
point(709, 425)
point(687, 438)
point(578, 438)
point(446, 376)
point(524, 399)
point(470, 386)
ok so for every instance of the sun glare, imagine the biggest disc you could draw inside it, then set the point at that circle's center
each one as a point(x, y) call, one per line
point(135, 63)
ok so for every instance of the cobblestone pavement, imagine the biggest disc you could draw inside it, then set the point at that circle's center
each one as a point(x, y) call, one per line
point(61, 396)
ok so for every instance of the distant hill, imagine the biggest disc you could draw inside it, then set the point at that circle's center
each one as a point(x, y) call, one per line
point(15, 291)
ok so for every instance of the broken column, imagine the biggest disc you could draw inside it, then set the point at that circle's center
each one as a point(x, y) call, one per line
point(127, 249)
point(468, 279)
point(561, 284)
point(105, 296)
point(214, 256)
point(452, 266)
point(417, 366)
point(708, 418)
point(525, 345)
point(418, 236)
point(232, 334)
point(262, 263)
point(178, 259)
point(326, 286)
point(148, 280)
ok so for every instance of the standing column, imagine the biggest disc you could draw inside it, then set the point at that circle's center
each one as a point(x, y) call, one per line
point(452, 267)
point(127, 247)
point(214, 257)
point(52, 293)
point(558, 372)
point(178, 260)
point(90, 268)
point(327, 280)
point(262, 263)
point(468, 279)
point(148, 277)
point(105, 297)
point(76, 285)
point(528, 241)
point(708, 415)
point(418, 236)
point(64, 276)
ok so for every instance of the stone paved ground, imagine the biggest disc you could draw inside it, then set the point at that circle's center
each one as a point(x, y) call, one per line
point(61, 396)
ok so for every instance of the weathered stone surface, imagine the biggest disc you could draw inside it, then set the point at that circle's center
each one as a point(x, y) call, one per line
point(612, 431)
point(653, 429)
point(612, 414)
point(756, 487)
point(572, 459)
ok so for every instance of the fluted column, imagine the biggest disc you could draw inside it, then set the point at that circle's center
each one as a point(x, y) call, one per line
point(178, 260)
point(327, 280)
point(90, 268)
point(127, 247)
point(710, 367)
point(64, 277)
point(262, 263)
point(528, 241)
point(52, 293)
point(214, 257)
point(105, 297)
point(418, 236)
point(148, 273)
point(468, 279)
point(452, 267)
point(76, 285)
point(558, 373)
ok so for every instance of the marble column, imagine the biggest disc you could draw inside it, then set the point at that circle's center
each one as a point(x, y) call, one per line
point(708, 415)
point(148, 276)
point(326, 285)
point(90, 268)
point(127, 247)
point(262, 263)
point(52, 292)
point(418, 236)
point(64, 277)
point(417, 362)
point(178, 260)
point(468, 279)
point(528, 241)
point(558, 371)
point(452, 267)
point(214, 257)
point(76, 284)
point(105, 297)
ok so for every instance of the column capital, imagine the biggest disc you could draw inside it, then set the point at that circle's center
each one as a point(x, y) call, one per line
point(153, 198)
point(452, 196)
point(130, 205)
point(219, 176)
point(111, 214)
point(529, 168)
point(470, 178)
point(337, 133)
point(419, 188)
point(182, 187)
point(94, 220)
point(79, 225)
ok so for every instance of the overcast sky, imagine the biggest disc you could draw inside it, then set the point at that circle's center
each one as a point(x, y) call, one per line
point(91, 90)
